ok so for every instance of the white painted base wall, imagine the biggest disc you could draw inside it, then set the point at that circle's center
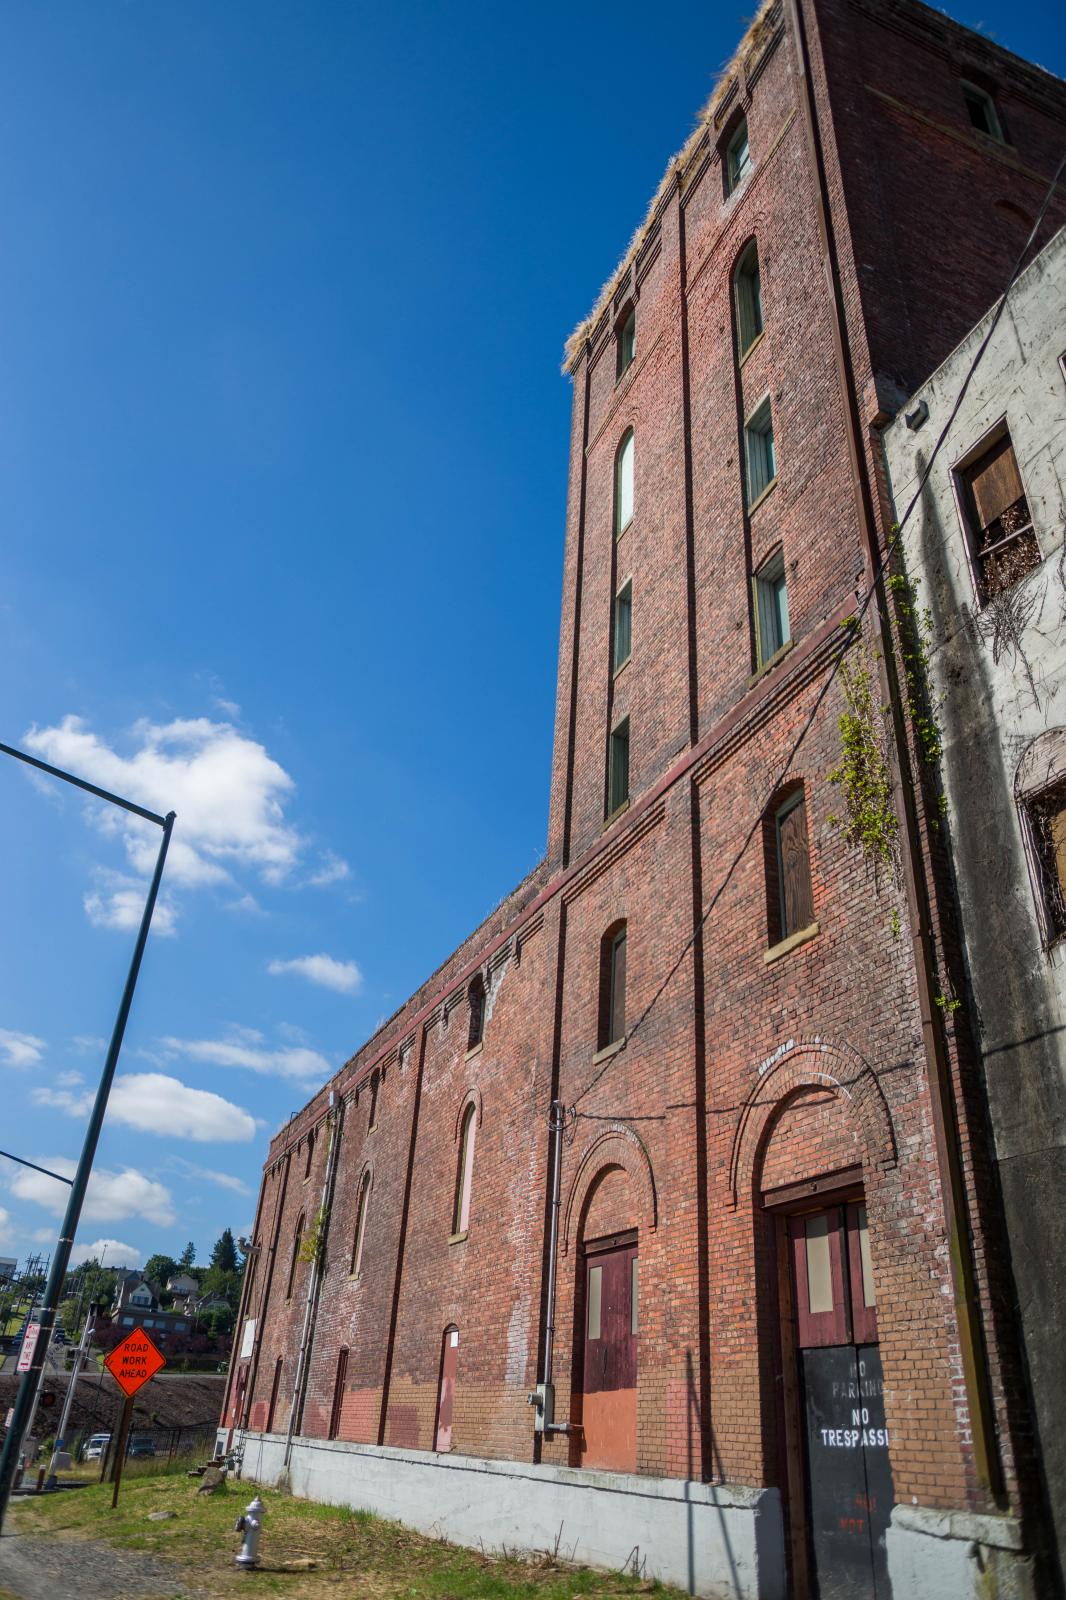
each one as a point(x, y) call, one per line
point(956, 1555)
point(722, 1541)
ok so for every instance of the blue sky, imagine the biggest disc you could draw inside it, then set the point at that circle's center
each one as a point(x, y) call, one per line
point(283, 454)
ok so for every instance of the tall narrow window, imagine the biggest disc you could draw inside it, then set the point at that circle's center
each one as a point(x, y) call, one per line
point(274, 1387)
point(340, 1384)
point(736, 161)
point(449, 1372)
point(772, 628)
point(297, 1241)
point(623, 624)
point(982, 112)
point(623, 484)
point(759, 456)
point(789, 895)
point(360, 1224)
point(375, 1090)
point(627, 340)
point(464, 1171)
point(618, 767)
point(310, 1156)
point(747, 293)
point(476, 1000)
point(1003, 541)
point(612, 1022)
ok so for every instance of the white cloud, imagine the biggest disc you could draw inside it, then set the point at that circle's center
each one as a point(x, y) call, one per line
point(227, 791)
point(111, 1196)
point(6, 1235)
point(121, 905)
point(75, 1104)
point(343, 976)
point(109, 1253)
point(20, 1049)
point(225, 1180)
point(334, 869)
point(294, 1061)
point(69, 1080)
point(155, 1103)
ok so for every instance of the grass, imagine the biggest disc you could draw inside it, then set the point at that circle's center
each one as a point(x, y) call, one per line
point(355, 1552)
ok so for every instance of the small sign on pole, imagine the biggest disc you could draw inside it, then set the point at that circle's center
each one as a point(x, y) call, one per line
point(29, 1345)
point(131, 1364)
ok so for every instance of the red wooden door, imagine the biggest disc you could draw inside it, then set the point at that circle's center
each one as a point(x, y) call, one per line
point(609, 1373)
point(449, 1367)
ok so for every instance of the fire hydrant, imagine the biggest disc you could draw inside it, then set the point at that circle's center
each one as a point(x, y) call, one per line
point(251, 1525)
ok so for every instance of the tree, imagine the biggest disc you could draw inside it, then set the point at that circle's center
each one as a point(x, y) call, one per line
point(224, 1254)
point(187, 1257)
point(157, 1269)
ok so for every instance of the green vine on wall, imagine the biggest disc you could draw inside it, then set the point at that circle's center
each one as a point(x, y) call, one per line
point(313, 1239)
point(915, 628)
point(862, 773)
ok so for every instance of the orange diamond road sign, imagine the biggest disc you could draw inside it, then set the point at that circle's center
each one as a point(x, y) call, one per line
point(134, 1361)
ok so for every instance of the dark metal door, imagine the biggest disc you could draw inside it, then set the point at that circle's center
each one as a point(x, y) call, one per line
point(849, 1478)
point(609, 1405)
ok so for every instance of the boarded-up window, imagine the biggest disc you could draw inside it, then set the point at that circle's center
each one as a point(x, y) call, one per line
point(1046, 813)
point(612, 1020)
point(786, 854)
point(449, 1372)
point(1002, 537)
point(339, 1386)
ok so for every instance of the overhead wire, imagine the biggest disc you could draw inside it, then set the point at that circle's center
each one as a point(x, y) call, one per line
point(852, 634)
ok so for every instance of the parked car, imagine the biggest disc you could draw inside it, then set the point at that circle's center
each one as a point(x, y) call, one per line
point(140, 1445)
point(97, 1444)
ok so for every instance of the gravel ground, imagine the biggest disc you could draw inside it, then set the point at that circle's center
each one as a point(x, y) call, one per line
point(80, 1569)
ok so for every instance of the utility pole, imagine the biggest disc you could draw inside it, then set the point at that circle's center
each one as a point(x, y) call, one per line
point(68, 1403)
point(24, 1400)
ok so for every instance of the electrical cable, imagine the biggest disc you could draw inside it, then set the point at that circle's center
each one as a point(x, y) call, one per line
point(853, 632)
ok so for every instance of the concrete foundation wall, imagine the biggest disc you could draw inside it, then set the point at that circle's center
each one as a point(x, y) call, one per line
point(722, 1541)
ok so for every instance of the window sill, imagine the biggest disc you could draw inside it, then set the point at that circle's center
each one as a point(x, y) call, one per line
point(763, 495)
point(793, 942)
point(626, 372)
point(608, 1051)
point(771, 663)
point(620, 669)
point(753, 346)
point(355, 1277)
point(475, 1050)
point(458, 1238)
point(620, 533)
point(614, 816)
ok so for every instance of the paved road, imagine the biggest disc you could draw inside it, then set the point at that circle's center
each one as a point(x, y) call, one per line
point(57, 1569)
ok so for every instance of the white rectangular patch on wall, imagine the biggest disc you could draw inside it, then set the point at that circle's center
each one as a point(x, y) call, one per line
point(248, 1340)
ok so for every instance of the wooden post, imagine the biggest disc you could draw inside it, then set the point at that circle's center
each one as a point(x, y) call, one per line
point(123, 1436)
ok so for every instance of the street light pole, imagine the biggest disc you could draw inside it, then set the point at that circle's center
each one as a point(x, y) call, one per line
point(9, 1457)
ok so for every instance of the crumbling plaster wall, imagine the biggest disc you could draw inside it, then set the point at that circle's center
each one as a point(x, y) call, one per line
point(1000, 671)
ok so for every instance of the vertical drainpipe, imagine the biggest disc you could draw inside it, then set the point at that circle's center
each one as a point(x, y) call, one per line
point(956, 1211)
point(264, 1301)
point(314, 1280)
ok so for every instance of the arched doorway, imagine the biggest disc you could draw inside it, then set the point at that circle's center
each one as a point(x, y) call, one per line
point(607, 1312)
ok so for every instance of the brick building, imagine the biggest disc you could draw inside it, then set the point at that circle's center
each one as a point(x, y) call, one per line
point(779, 1308)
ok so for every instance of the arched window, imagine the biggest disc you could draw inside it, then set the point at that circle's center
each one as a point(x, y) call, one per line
point(747, 299)
point(464, 1171)
point(476, 999)
point(449, 1370)
point(340, 1384)
point(297, 1241)
point(375, 1087)
point(623, 483)
point(626, 337)
point(360, 1223)
point(786, 851)
point(612, 1019)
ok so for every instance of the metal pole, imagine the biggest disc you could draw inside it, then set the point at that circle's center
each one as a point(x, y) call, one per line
point(556, 1126)
point(68, 1403)
point(123, 1436)
point(60, 1261)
